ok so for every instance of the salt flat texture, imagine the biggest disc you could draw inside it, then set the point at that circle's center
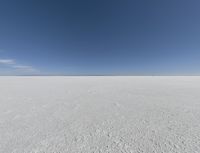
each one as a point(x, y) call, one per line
point(99, 114)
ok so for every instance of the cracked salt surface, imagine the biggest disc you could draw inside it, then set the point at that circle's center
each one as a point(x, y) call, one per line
point(99, 114)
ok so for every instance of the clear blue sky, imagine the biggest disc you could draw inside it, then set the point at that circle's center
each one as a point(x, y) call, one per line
point(99, 37)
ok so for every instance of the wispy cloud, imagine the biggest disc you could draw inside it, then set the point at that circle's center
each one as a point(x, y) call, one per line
point(25, 69)
point(22, 66)
point(7, 61)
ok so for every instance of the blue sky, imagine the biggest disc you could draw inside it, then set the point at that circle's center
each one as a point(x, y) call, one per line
point(92, 37)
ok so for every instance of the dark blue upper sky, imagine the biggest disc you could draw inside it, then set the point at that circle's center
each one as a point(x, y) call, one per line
point(99, 37)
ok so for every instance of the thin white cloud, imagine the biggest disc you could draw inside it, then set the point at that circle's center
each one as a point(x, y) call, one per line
point(7, 61)
point(17, 67)
point(22, 67)
point(25, 68)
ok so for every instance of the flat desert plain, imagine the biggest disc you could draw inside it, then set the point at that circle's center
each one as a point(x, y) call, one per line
point(100, 114)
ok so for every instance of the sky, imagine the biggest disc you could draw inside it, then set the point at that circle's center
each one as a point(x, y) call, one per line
point(99, 37)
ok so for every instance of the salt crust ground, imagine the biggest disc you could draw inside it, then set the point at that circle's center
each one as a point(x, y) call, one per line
point(100, 114)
